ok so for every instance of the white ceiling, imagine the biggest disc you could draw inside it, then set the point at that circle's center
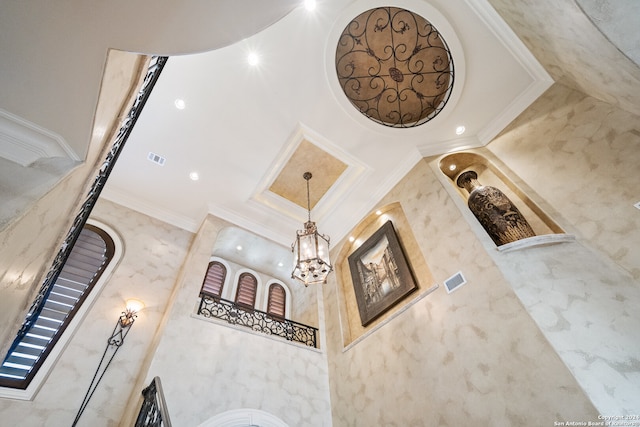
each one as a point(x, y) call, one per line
point(53, 55)
point(53, 58)
point(241, 122)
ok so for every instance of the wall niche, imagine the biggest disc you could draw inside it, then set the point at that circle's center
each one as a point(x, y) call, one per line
point(351, 323)
point(457, 166)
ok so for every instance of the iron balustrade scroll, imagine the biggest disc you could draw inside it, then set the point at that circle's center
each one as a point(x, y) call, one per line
point(257, 320)
point(154, 69)
point(153, 412)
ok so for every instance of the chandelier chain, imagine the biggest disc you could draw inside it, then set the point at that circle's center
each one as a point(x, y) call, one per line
point(307, 176)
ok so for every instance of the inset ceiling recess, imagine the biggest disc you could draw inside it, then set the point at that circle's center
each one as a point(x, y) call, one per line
point(394, 67)
point(326, 170)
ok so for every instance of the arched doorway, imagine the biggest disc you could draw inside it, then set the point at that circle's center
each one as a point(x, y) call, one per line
point(244, 418)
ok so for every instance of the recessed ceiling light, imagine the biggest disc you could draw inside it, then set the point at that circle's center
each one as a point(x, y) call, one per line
point(460, 130)
point(351, 239)
point(253, 59)
point(452, 167)
point(310, 4)
point(180, 104)
point(194, 176)
point(378, 212)
point(239, 247)
point(280, 264)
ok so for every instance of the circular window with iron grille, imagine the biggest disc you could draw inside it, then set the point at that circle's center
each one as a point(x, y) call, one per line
point(394, 67)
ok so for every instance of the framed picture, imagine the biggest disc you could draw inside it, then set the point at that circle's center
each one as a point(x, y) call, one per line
point(380, 273)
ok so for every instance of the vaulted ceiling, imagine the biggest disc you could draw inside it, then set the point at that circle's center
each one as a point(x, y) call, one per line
point(248, 131)
point(242, 126)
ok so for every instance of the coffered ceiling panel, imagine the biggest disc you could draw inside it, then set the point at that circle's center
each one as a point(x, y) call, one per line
point(325, 170)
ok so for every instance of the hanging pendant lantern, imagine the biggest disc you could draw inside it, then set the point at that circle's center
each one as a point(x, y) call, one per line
point(311, 264)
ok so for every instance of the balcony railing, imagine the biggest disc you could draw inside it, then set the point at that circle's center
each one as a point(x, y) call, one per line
point(153, 412)
point(257, 320)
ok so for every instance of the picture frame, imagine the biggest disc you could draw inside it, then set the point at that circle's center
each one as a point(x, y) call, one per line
point(380, 273)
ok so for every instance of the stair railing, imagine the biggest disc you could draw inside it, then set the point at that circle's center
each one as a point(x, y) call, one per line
point(153, 412)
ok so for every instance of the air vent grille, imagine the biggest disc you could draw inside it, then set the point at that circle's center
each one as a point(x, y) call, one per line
point(156, 158)
point(454, 282)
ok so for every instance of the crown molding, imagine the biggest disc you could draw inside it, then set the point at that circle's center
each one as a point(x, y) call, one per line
point(24, 142)
point(249, 224)
point(541, 79)
point(443, 147)
point(175, 219)
point(512, 111)
point(341, 227)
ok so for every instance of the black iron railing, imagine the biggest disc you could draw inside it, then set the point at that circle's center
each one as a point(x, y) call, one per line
point(153, 412)
point(257, 320)
point(126, 126)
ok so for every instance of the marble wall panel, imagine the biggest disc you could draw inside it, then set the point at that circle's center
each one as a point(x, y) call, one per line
point(27, 248)
point(586, 308)
point(581, 156)
point(618, 20)
point(34, 223)
point(153, 255)
point(573, 50)
point(472, 356)
point(209, 368)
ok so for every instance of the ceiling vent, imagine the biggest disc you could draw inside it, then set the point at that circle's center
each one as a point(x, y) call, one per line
point(454, 282)
point(155, 158)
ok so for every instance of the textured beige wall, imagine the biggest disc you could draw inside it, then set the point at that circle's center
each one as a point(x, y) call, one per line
point(222, 369)
point(208, 368)
point(573, 50)
point(473, 356)
point(537, 334)
point(29, 244)
point(581, 156)
point(618, 20)
point(153, 254)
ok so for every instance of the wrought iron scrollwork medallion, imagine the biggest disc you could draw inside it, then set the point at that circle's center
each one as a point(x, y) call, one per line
point(153, 72)
point(394, 67)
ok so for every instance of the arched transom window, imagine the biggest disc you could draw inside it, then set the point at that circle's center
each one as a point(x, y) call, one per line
point(89, 257)
point(276, 304)
point(246, 291)
point(214, 279)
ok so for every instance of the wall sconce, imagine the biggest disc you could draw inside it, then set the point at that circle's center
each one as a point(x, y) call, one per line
point(128, 316)
point(115, 341)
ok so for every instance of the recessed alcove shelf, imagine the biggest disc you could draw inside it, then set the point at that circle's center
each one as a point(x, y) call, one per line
point(547, 239)
point(547, 230)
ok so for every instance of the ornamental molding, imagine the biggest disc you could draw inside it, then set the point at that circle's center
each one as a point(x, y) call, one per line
point(24, 142)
